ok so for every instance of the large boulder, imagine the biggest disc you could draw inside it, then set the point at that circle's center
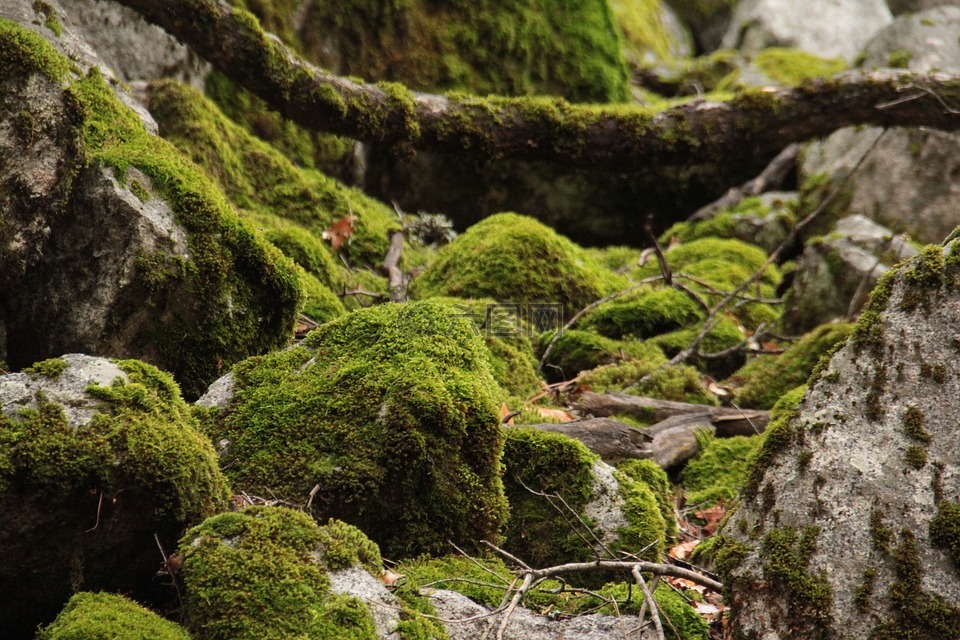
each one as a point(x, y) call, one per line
point(385, 418)
point(836, 28)
point(111, 242)
point(848, 524)
point(907, 181)
point(99, 457)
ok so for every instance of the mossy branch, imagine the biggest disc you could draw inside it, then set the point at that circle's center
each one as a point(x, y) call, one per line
point(754, 124)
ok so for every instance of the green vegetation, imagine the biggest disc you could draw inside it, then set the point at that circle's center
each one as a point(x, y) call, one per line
point(793, 66)
point(649, 312)
point(143, 423)
point(392, 412)
point(648, 473)
point(516, 259)
point(786, 555)
point(539, 529)
point(780, 434)
point(52, 368)
point(682, 383)
point(719, 470)
point(767, 378)
point(262, 574)
point(105, 616)
point(945, 529)
point(751, 220)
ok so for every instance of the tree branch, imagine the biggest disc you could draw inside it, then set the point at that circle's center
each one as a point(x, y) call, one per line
point(754, 124)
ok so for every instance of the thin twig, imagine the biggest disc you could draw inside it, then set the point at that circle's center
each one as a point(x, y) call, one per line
point(170, 572)
point(648, 598)
point(563, 514)
point(521, 591)
point(99, 505)
point(506, 554)
point(477, 563)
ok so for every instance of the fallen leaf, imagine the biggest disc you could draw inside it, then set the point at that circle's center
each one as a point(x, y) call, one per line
point(706, 609)
point(713, 516)
point(683, 550)
point(391, 578)
point(340, 232)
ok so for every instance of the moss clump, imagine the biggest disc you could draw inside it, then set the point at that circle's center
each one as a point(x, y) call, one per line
point(916, 614)
point(262, 573)
point(477, 47)
point(915, 457)
point(680, 620)
point(899, 59)
point(719, 470)
point(578, 351)
point(516, 259)
point(767, 378)
point(644, 33)
point(786, 554)
point(723, 335)
point(647, 472)
point(945, 529)
point(392, 411)
point(644, 315)
point(105, 616)
point(868, 334)
point(752, 220)
point(922, 277)
point(724, 553)
point(261, 182)
point(682, 382)
point(793, 66)
point(913, 419)
point(541, 529)
point(719, 266)
point(51, 368)
point(779, 435)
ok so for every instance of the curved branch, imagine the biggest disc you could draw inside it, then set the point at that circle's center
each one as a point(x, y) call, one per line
point(756, 123)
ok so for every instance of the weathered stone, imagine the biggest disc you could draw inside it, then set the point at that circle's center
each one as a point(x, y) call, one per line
point(844, 515)
point(831, 29)
point(836, 272)
point(907, 182)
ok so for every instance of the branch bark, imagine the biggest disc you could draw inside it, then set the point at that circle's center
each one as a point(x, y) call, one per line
point(755, 124)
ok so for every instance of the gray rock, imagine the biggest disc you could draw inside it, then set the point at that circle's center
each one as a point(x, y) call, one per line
point(708, 20)
point(133, 48)
point(828, 28)
point(606, 504)
point(907, 183)
point(836, 272)
point(383, 605)
point(219, 394)
point(845, 475)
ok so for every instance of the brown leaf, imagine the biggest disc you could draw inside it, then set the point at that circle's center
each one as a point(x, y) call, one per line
point(391, 578)
point(504, 412)
point(713, 516)
point(683, 550)
point(555, 414)
point(339, 232)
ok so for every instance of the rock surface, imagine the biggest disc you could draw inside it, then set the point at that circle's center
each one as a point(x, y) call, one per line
point(907, 182)
point(829, 28)
point(835, 525)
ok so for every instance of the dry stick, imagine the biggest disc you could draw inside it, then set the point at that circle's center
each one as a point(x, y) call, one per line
point(711, 320)
point(398, 292)
point(588, 308)
point(477, 562)
point(648, 598)
point(97, 523)
point(506, 554)
point(173, 578)
point(521, 591)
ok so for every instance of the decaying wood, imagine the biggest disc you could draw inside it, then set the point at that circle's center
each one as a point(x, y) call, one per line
point(727, 421)
point(754, 125)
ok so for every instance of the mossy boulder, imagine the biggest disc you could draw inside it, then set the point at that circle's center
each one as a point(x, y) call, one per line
point(650, 474)
point(113, 242)
point(106, 616)
point(98, 457)
point(645, 314)
point(598, 503)
point(767, 378)
point(682, 383)
point(577, 351)
point(513, 258)
point(264, 573)
point(390, 411)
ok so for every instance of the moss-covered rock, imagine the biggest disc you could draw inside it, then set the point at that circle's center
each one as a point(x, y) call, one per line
point(620, 512)
point(682, 382)
point(645, 314)
point(647, 472)
point(264, 573)
point(177, 279)
point(95, 461)
point(765, 379)
point(513, 258)
point(105, 616)
point(719, 470)
point(576, 351)
point(391, 411)
point(793, 66)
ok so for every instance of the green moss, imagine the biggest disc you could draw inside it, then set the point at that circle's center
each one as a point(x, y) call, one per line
point(392, 411)
point(647, 472)
point(915, 456)
point(719, 470)
point(913, 419)
point(724, 334)
point(766, 378)
point(874, 408)
point(923, 276)
point(23, 51)
point(646, 314)
point(51, 368)
point(786, 555)
point(680, 620)
point(105, 616)
point(863, 595)
point(751, 220)
point(914, 613)
point(868, 334)
point(516, 259)
point(476, 47)
point(780, 434)
point(793, 66)
point(880, 533)
point(262, 573)
point(724, 553)
point(578, 351)
point(899, 59)
point(644, 31)
point(936, 371)
point(542, 530)
point(141, 422)
point(945, 529)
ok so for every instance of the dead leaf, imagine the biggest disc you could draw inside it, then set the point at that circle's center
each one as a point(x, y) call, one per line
point(683, 550)
point(555, 414)
point(713, 516)
point(391, 578)
point(340, 232)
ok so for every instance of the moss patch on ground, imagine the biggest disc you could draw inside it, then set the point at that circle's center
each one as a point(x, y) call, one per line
point(392, 412)
point(793, 66)
point(767, 378)
point(105, 616)
point(262, 574)
point(514, 258)
point(719, 470)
